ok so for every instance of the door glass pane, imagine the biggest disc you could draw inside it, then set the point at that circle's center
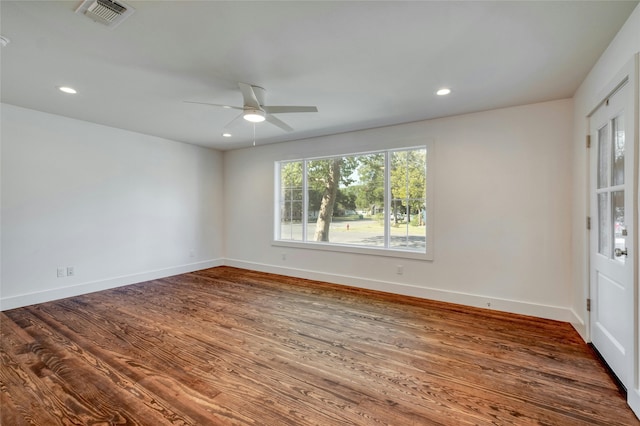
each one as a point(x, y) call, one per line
point(619, 230)
point(604, 150)
point(604, 230)
point(618, 150)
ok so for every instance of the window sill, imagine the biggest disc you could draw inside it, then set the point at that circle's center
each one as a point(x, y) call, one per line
point(345, 248)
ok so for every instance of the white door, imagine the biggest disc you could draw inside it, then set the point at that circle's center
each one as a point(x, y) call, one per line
point(612, 243)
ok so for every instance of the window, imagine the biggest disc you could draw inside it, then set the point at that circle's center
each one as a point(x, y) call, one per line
point(370, 202)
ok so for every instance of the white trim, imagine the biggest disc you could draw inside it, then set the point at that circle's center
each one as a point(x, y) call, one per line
point(92, 286)
point(505, 305)
point(579, 324)
point(633, 394)
point(557, 313)
point(633, 399)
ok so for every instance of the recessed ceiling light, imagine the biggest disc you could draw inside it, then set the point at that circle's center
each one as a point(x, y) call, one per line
point(67, 89)
point(444, 91)
point(226, 134)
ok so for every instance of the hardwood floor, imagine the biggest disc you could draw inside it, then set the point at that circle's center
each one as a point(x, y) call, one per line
point(229, 346)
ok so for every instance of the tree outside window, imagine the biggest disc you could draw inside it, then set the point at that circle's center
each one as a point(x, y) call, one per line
point(365, 200)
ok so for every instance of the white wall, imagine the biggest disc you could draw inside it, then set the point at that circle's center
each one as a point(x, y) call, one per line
point(118, 206)
point(622, 49)
point(502, 211)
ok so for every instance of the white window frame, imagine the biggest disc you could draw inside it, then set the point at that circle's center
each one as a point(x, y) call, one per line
point(357, 249)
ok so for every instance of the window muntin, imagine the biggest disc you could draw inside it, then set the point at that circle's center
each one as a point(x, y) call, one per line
point(370, 200)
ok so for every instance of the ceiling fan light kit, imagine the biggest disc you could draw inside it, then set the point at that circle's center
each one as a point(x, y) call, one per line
point(254, 115)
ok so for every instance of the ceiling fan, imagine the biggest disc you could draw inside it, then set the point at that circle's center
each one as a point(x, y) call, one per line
point(255, 111)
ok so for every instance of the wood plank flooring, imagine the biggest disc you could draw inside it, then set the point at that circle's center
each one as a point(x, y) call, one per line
point(230, 346)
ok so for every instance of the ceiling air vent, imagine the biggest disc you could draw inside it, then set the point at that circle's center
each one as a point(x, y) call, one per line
point(106, 12)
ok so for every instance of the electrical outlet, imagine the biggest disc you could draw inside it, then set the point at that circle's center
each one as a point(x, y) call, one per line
point(70, 271)
point(61, 273)
point(399, 269)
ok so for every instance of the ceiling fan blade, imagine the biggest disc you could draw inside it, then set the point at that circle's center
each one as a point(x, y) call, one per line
point(216, 105)
point(249, 96)
point(277, 122)
point(286, 109)
point(234, 121)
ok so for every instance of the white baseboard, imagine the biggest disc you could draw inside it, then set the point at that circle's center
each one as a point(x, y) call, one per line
point(524, 308)
point(580, 326)
point(557, 313)
point(92, 286)
point(633, 399)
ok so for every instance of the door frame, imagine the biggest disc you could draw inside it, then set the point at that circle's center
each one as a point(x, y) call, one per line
point(629, 74)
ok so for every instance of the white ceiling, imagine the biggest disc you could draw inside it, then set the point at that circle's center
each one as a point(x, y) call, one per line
point(363, 64)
